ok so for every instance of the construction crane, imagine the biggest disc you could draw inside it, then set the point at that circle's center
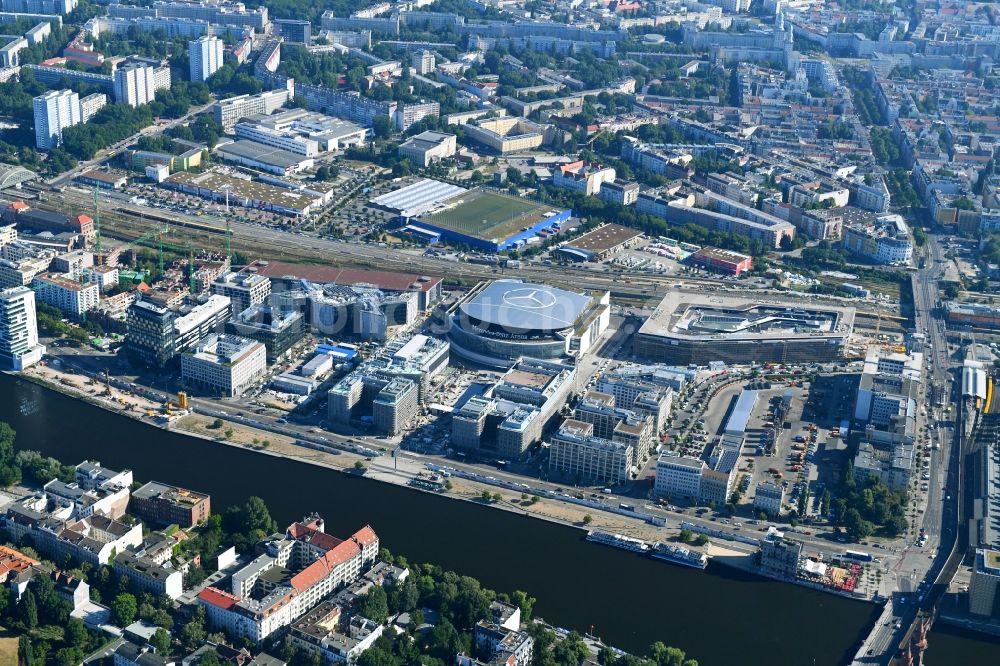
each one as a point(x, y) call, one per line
point(146, 238)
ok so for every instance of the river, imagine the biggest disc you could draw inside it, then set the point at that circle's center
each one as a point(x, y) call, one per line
point(720, 616)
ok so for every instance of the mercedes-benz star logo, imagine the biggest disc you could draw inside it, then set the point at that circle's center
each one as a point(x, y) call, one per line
point(529, 298)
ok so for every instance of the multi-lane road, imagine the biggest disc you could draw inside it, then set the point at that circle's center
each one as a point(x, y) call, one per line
point(918, 570)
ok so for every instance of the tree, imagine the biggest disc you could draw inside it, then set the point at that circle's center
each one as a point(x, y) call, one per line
point(123, 609)
point(193, 633)
point(382, 127)
point(217, 423)
point(376, 656)
point(375, 605)
point(685, 535)
point(76, 633)
point(896, 525)
point(525, 602)
point(587, 519)
point(160, 641)
point(210, 658)
point(28, 610)
point(571, 651)
point(25, 650)
point(67, 656)
point(10, 473)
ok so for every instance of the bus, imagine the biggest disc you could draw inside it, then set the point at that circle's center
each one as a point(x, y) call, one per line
point(857, 556)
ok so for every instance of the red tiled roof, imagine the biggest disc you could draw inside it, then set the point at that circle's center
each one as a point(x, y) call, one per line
point(217, 597)
point(346, 276)
point(307, 532)
point(19, 205)
point(322, 567)
point(365, 536)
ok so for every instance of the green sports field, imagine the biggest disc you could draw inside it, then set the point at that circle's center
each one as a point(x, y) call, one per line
point(486, 215)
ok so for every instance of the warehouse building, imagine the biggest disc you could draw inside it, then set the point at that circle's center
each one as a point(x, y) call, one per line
point(600, 244)
point(289, 277)
point(269, 158)
point(722, 261)
point(428, 147)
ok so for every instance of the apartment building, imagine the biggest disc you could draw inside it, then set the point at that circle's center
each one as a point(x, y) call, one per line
point(886, 241)
point(423, 62)
point(296, 570)
point(163, 504)
point(205, 57)
point(145, 575)
point(19, 346)
point(582, 177)
point(57, 534)
point(136, 83)
point(504, 645)
point(71, 297)
point(327, 633)
point(621, 193)
point(54, 111)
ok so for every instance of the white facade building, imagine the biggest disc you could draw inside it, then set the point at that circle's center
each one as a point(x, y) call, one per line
point(205, 57)
point(678, 476)
point(582, 177)
point(298, 145)
point(137, 83)
point(19, 346)
point(54, 111)
point(72, 297)
point(423, 62)
point(228, 364)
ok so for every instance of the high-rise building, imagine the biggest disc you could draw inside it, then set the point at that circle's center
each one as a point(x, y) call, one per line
point(293, 30)
point(55, 111)
point(205, 57)
point(19, 346)
point(423, 62)
point(137, 83)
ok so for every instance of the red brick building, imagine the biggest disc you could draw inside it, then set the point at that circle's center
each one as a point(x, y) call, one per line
point(722, 261)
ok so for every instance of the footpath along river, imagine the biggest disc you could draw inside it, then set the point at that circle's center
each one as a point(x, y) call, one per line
point(720, 616)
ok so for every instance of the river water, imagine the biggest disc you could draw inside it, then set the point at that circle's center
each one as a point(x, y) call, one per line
point(720, 616)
